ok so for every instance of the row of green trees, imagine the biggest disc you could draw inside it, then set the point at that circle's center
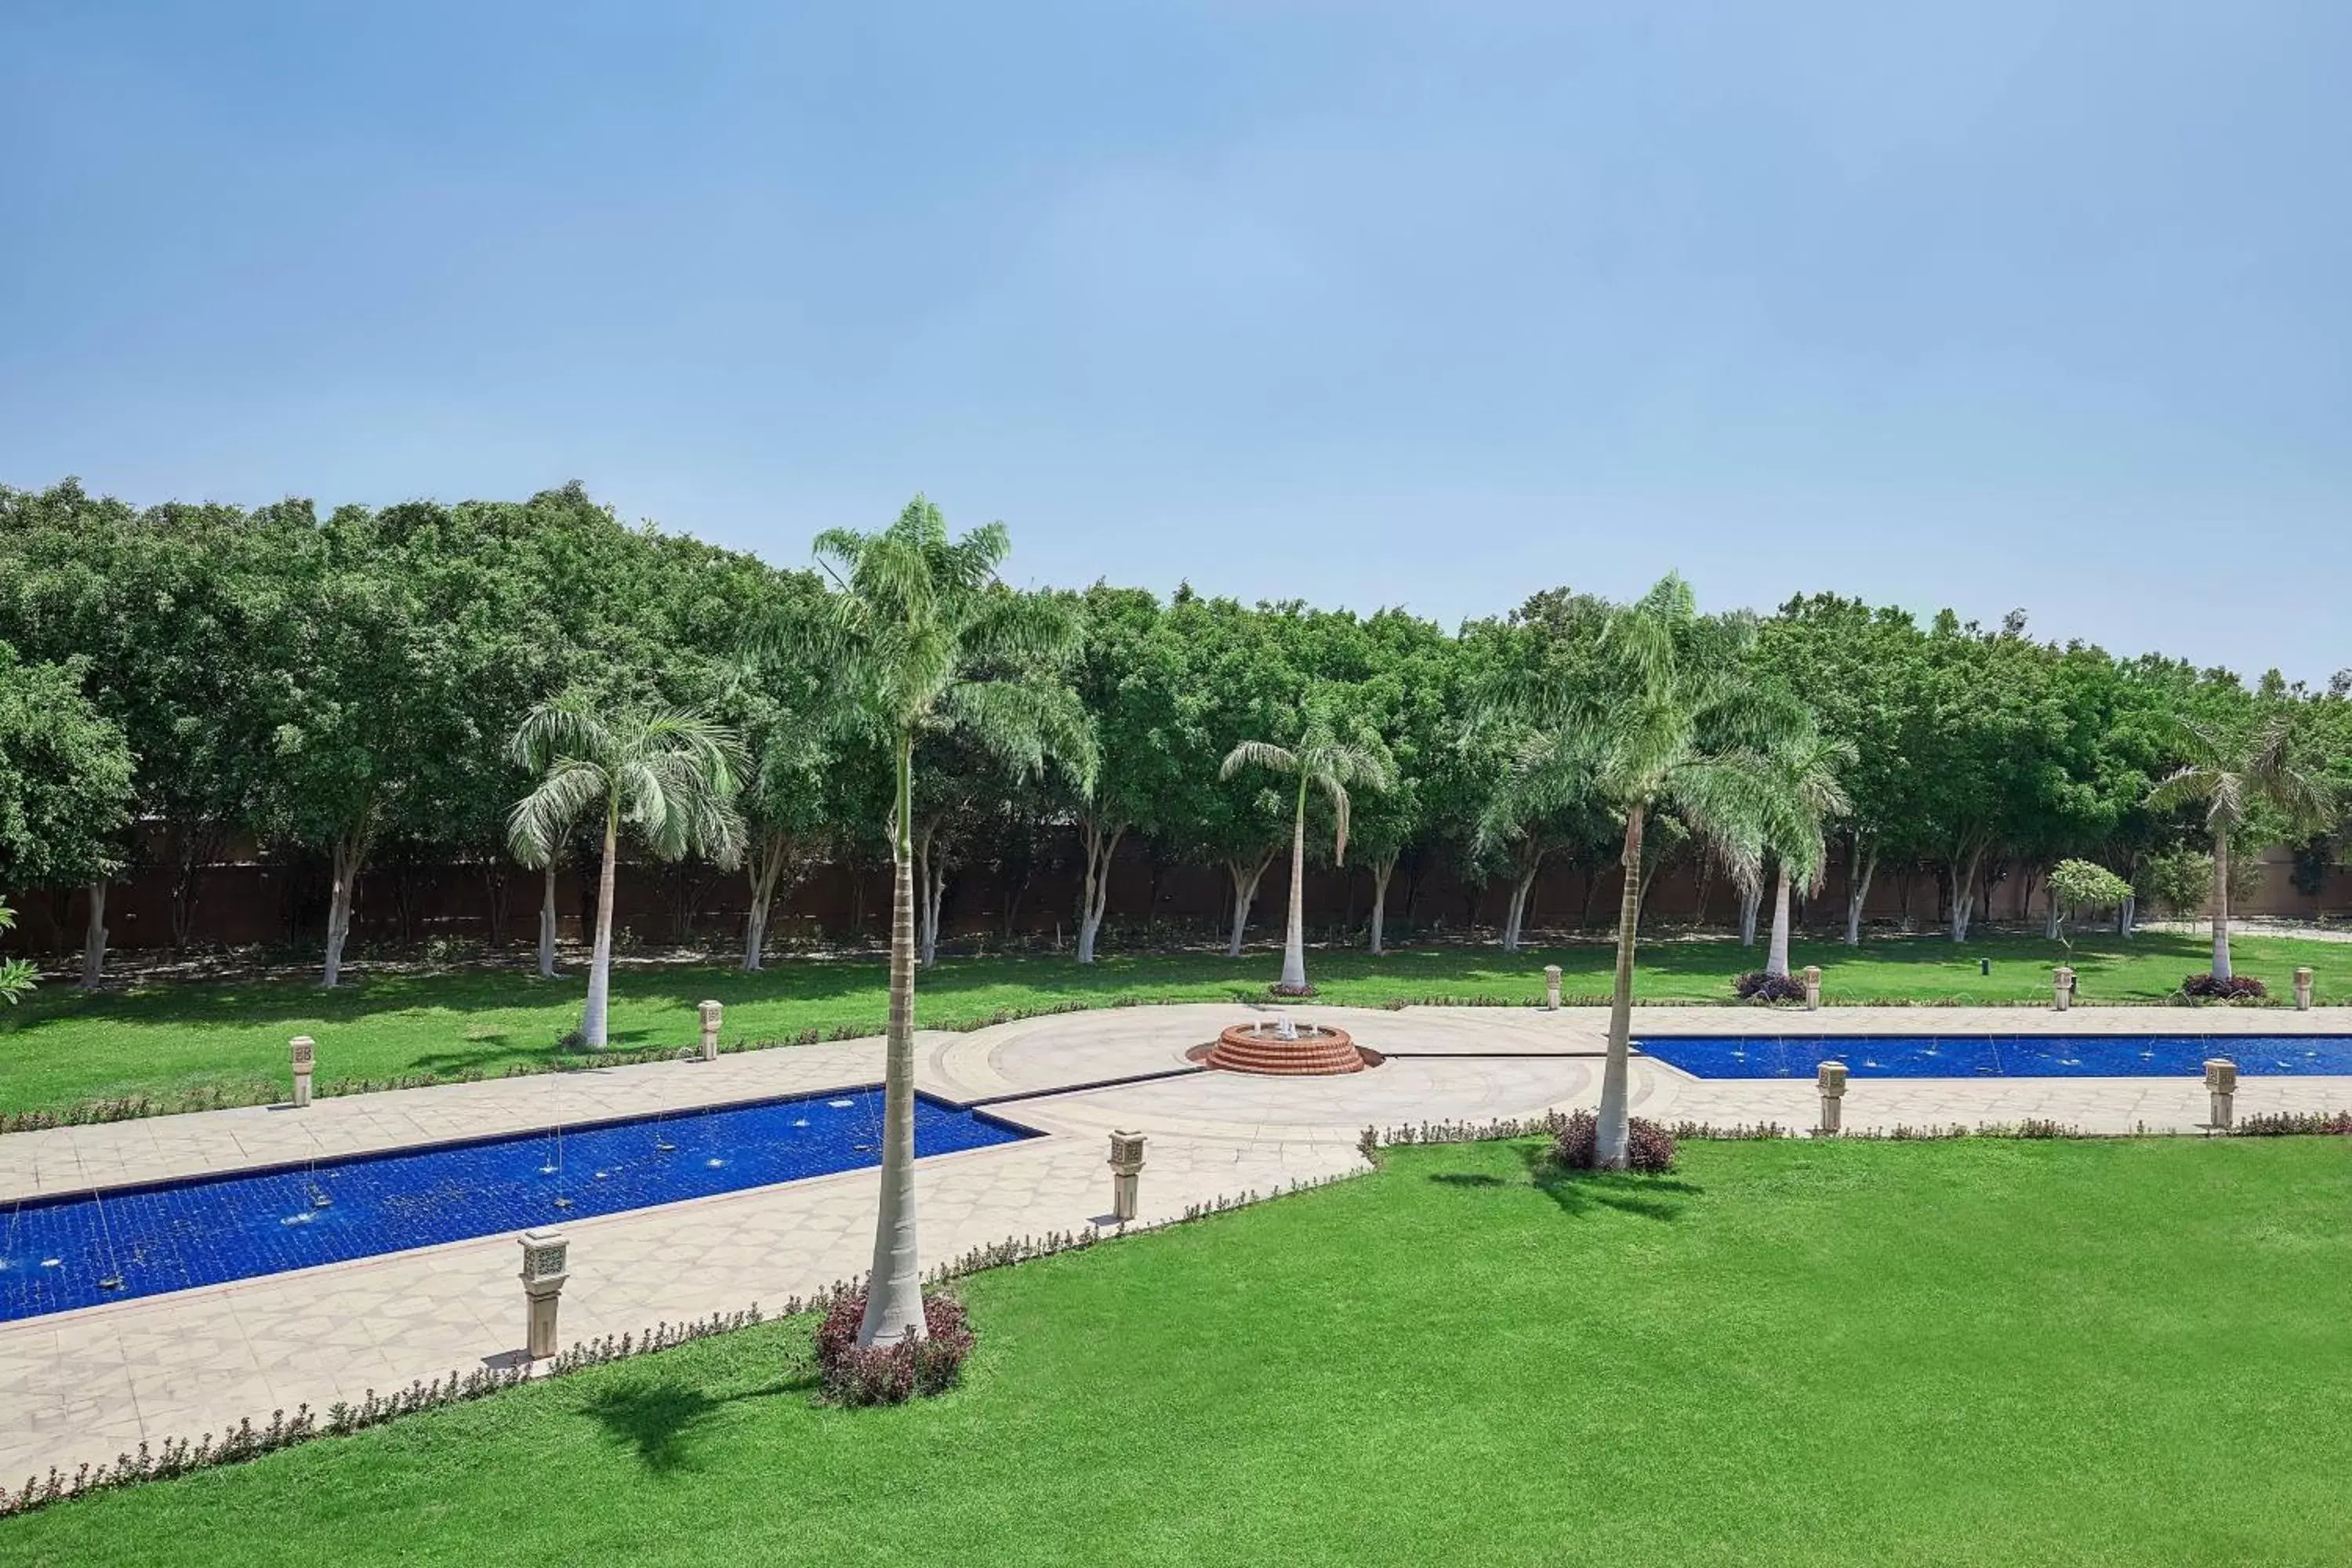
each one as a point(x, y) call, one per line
point(345, 688)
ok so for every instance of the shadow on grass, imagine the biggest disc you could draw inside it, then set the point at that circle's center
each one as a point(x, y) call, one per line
point(659, 1419)
point(1662, 1198)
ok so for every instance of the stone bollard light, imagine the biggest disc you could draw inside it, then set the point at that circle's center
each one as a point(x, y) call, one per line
point(1830, 1077)
point(1126, 1167)
point(545, 1254)
point(710, 1013)
point(304, 1052)
point(2221, 1090)
point(1551, 987)
point(2061, 987)
point(1812, 987)
point(2302, 990)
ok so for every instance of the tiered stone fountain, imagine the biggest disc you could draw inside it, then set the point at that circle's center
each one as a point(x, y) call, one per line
point(1279, 1047)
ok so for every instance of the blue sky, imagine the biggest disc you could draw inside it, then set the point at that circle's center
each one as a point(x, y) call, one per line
point(1989, 304)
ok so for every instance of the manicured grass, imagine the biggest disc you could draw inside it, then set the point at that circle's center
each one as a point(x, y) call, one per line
point(162, 1039)
point(1979, 1351)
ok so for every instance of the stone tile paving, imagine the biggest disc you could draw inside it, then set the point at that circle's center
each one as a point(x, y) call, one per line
point(84, 1385)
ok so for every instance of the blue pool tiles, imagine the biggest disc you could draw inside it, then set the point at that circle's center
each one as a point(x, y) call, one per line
point(1998, 1055)
point(56, 1253)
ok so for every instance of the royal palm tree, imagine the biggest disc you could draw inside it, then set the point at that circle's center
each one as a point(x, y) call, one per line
point(1657, 716)
point(2232, 775)
point(669, 777)
point(921, 639)
point(1804, 769)
point(1323, 759)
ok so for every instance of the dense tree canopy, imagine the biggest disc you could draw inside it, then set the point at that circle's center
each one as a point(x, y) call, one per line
point(336, 691)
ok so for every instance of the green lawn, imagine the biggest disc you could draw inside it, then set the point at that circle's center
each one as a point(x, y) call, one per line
point(1977, 1351)
point(164, 1039)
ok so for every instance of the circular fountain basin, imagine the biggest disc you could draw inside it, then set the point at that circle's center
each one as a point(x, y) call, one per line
point(1313, 1050)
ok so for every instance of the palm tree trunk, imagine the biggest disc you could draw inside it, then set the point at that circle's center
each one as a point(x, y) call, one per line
point(1776, 957)
point(894, 1291)
point(600, 961)
point(547, 924)
point(2221, 904)
point(1608, 1138)
point(1294, 937)
point(1382, 870)
point(94, 937)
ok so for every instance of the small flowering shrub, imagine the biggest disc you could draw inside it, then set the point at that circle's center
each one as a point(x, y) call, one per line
point(891, 1374)
point(2237, 988)
point(1648, 1146)
point(1756, 985)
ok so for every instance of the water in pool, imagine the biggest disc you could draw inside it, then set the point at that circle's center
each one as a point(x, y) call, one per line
point(1998, 1055)
point(78, 1250)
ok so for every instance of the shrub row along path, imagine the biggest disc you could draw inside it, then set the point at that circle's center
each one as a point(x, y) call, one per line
point(229, 1037)
point(86, 1384)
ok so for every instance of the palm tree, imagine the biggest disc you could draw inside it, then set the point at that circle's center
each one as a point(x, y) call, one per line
point(2232, 775)
point(671, 777)
point(1323, 759)
point(922, 639)
point(1658, 717)
point(1804, 769)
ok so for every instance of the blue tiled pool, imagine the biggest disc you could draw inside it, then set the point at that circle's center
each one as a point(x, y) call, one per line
point(60, 1253)
point(1998, 1056)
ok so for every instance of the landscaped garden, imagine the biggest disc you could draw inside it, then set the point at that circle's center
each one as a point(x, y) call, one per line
point(62, 1047)
point(1981, 1349)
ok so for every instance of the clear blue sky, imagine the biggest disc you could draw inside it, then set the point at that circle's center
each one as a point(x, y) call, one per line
point(2007, 304)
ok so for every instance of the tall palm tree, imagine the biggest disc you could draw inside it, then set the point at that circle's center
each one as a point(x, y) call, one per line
point(1804, 769)
point(1323, 759)
point(669, 777)
point(921, 639)
point(1657, 716)
point(2231, 776)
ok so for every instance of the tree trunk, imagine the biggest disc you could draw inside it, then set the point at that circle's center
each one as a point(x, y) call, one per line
point(494, 900)
point(766, 868)
point(893, 1291)
point(94, 937)
point(1857, 893)
point(1776, 956)
point(1294, 936)
point(350, 855)
point(1095, 895)
point(600, 959)
point(1382, 870)
point(1751, 904)
point(2050, 920)
point(2127, 913)
point(1245, 881)
point(547, 924)
point(1963, 892)
point(1609, 1137)
point(2221, 904)
point(1514, 917)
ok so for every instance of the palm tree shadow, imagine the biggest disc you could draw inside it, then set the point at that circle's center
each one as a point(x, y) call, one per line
point(1662, 1198)
point(659, 1420)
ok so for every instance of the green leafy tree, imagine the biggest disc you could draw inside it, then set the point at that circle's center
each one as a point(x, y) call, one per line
point(2232, 778)
point(924, 642)
point(670, 778)
point(65, 786)
point(2079, 885)
point(1326, 760)
point(1663, 717)
point(17, 975)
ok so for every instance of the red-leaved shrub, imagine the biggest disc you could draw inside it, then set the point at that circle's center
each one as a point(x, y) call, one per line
point(1648, 1146)
point(1756, 985)
point(891, 1374)
point(2238, 987)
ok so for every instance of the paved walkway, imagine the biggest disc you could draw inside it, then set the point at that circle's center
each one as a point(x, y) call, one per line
point(84, 1385)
